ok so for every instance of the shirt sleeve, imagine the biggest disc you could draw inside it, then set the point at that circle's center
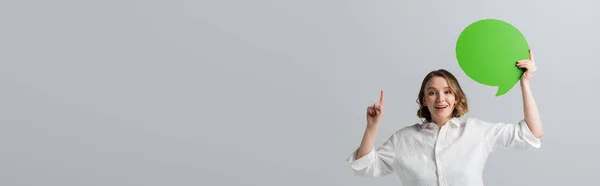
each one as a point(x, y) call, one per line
point(378, 162)
point(508, 135)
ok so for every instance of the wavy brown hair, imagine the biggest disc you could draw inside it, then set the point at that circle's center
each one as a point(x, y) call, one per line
point(460, 106)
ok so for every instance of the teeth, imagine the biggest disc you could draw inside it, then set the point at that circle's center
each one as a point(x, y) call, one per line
point(442, 106)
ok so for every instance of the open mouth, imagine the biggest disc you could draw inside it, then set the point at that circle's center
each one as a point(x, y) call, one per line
point(441, 107)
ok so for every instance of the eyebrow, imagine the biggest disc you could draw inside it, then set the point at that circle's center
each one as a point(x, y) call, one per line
point(434, 88)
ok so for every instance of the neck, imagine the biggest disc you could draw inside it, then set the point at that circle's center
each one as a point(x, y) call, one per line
point(441, 121)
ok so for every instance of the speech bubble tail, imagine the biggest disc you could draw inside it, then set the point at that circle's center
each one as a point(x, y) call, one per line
point(503, 89)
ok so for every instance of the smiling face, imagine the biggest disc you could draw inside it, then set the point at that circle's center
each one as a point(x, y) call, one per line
point(439, 99)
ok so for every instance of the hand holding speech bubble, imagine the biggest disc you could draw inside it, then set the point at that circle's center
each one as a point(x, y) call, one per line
point(487, 51)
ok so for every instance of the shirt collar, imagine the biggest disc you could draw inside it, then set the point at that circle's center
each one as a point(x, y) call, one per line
point(454, 122)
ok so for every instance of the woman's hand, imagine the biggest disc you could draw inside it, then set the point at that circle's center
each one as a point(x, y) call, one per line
point(529, 66)
point(530, 110)
point(374, 113)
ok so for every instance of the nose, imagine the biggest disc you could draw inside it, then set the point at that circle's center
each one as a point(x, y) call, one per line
point(440, 98)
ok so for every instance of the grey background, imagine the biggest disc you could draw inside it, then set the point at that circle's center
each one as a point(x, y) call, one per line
point(268, 92)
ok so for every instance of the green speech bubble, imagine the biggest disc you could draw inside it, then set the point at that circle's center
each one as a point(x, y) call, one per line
point(488, 51)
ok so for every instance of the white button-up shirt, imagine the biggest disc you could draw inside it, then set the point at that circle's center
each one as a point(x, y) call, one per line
point(422, 154)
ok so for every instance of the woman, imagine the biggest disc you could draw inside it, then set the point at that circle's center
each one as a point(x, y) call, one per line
point(444, 149)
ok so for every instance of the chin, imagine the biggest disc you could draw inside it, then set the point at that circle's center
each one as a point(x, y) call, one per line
point(444, 115)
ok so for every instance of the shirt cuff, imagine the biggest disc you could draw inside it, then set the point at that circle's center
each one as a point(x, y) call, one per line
point(528, 136)
point(363, 162)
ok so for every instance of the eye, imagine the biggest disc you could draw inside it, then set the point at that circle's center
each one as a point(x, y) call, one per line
point(447, 92)
point(431, 93)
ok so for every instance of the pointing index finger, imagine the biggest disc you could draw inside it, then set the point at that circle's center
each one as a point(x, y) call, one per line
point(381, 98)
